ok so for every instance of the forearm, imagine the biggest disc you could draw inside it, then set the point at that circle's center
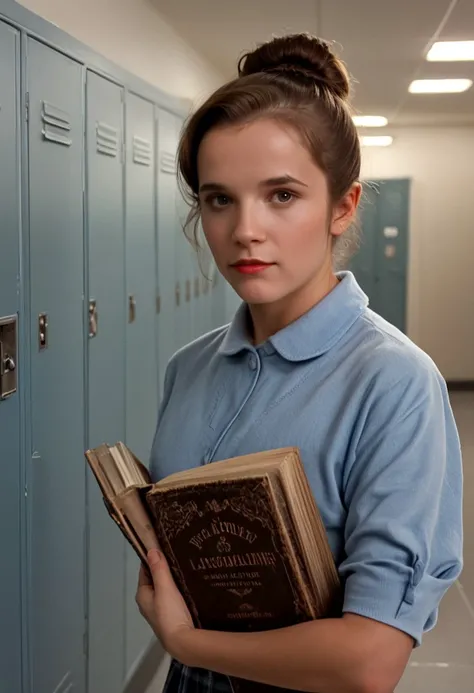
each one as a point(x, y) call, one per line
point(326, 656)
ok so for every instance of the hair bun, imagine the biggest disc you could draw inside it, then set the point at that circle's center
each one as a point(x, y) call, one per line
point(306, 58)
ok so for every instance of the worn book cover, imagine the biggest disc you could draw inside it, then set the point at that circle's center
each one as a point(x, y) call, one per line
point(243, 538)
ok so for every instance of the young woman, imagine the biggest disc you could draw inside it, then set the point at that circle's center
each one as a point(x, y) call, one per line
point(272, 162)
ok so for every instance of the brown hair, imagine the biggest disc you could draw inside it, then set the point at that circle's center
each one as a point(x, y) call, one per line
point(296, 79)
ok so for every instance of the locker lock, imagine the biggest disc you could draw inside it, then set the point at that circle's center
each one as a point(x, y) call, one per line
point(8, 348)
point(9, 364)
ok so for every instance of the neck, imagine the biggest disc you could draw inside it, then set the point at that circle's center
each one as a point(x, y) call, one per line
point(268, 319)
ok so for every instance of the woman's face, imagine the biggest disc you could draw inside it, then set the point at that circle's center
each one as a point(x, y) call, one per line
point(265, 211)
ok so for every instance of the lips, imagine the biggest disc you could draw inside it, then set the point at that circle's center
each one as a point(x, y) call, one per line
point(251, 266)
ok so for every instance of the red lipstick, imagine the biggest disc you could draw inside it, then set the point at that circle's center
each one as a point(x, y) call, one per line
point(251, 266)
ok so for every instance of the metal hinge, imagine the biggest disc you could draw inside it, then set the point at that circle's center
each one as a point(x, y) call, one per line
point(27, 106)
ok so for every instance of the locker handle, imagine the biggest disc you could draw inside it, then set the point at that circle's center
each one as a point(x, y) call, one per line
point(132, 309)
point(43, 331)
point(92, 319)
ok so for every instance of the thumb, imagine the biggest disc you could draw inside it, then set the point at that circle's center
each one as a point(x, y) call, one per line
point(157, 564)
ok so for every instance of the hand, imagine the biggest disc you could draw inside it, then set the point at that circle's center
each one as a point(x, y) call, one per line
point(162, 605)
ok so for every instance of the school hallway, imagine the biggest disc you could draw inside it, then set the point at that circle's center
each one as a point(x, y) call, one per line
point(100, 287)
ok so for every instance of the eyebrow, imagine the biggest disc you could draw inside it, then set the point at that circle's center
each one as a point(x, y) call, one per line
point(280, 180)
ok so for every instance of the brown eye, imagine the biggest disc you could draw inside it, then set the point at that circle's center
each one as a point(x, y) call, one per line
point(283, 196)
point(219, 201)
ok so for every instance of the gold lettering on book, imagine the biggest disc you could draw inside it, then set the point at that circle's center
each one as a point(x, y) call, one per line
point(220, 528)
point(251, 614)
point(237, 560)
point(254, 575)
point(231, 584)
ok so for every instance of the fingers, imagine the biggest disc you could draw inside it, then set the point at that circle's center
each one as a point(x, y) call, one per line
point(157, 563)
point(155, 557)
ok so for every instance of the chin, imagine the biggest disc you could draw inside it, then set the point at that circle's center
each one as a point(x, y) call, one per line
point(257, 295)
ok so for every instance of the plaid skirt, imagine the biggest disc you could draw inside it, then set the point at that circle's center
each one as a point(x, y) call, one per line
point(183, 679)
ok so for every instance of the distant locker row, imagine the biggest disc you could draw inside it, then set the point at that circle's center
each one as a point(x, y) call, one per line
point(98, 287)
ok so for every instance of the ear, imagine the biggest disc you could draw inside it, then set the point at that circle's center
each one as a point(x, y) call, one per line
point(345, 211)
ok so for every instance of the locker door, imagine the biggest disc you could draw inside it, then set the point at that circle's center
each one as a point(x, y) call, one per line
point(199, 264)
point(166, 176)
point(106, 375)
point(10, 580)
point(362, 264)
point(190, 313)
point(141, 365)
point(184, 284)
point(392, 251)
point(56, 144)
point(380, 265)
point(184, 277)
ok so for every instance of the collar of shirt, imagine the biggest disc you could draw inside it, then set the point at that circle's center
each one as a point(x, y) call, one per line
point(311, 335)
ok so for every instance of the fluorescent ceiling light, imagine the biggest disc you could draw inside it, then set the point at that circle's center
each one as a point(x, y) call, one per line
point(440, 86)
point(446, 51)
point(384, 141)
point(369, 121)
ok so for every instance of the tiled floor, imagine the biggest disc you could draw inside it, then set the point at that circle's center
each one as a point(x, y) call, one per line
point(445, 661)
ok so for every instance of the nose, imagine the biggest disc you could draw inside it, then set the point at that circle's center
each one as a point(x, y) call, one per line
point(247, 229)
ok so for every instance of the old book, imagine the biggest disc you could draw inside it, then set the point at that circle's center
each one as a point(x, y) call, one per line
point(243, 537)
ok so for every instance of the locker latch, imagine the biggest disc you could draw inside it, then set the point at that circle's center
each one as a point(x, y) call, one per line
point(42, 331)
point(92, 319)
point(132, 309)
point(8, 360)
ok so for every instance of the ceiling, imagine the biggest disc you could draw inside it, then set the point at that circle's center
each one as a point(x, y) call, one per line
point(383, 43)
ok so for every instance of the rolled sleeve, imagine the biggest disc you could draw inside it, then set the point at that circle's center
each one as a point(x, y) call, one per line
point(403, 494)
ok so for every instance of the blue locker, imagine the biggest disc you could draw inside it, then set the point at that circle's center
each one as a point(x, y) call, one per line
point(363, 261)
point(190, 316)
point(199, 321)
point(184, 316)
point(392, 251)
point(141, 362)
point(57, 493)
point(166, 186)
point(380, 265)
point(106, 373)
point(184, 285)
point(10, 572)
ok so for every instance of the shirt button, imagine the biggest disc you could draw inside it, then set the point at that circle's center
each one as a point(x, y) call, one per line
point(253, 362)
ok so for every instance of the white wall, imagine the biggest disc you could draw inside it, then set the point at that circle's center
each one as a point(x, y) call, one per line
point(441, 282)
point(132, 34)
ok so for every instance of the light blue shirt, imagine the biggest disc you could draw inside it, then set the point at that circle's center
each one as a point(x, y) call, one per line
point(371, 417)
